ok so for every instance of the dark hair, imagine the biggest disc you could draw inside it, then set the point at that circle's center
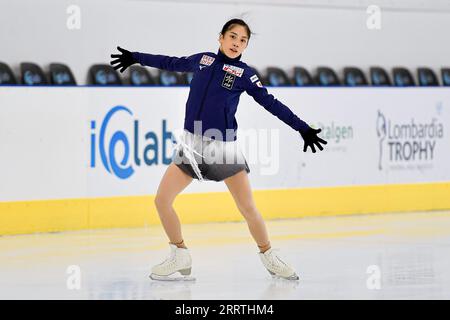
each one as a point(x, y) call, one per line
point(227, 26)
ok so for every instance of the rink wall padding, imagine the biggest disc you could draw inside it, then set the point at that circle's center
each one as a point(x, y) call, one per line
point(86, 157)
point(123, 212)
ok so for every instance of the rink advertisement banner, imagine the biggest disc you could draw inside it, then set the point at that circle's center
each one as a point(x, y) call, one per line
point(101, 143)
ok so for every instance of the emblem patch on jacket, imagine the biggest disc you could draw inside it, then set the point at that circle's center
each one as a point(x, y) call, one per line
point(254, 78)
point(233, 70)
point(207, 60)
point(228, 80)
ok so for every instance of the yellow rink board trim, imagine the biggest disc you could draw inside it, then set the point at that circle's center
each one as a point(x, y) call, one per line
point(24, 217)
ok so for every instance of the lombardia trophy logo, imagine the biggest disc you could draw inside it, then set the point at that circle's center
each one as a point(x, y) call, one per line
point(381, 133)
point(407, 144)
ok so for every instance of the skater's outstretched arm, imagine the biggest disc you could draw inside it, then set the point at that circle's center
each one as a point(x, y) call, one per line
point(127, 58)
point(259, 93)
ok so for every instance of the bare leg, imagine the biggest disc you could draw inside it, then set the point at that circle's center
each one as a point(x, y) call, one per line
point(172, 183)
point(240, 189)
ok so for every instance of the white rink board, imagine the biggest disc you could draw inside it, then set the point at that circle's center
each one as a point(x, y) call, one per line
point(45, 134)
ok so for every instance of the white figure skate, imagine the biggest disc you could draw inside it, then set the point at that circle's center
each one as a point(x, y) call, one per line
point(277, 267)
point(177, 266)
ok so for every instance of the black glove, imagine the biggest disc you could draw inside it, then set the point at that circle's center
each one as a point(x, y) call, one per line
point(123, 60)
point(310, 137)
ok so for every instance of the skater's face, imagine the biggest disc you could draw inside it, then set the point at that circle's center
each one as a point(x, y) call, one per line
point(234, 41)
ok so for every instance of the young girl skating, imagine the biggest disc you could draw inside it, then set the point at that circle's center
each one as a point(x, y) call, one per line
point(208, 142)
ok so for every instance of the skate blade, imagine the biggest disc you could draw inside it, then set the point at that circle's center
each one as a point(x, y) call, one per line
point(171, 278)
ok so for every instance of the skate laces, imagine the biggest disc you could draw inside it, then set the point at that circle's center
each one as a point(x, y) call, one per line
point(168, 258)
point(171, 256)
point(275, 257)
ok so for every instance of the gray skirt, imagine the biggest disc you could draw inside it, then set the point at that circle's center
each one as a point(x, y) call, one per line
point(204, 158)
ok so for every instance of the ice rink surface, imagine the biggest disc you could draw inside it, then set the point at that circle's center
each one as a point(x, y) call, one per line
point(347, 257)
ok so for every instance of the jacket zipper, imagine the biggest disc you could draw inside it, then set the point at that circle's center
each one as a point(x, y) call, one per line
point(204, 96)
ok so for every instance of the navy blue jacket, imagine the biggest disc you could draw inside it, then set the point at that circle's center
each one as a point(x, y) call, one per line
point(216, 86)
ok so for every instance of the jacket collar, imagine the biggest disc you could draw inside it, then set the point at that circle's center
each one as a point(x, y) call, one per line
point(223, 57)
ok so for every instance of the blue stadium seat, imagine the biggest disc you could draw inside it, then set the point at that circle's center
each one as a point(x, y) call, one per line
point(169, 78)
point(60, 75)
point(103, 75)
point(326, 77)
point(187, 76)
point(302, 77)
point(32, 74)
point(140, 76)
point(402, 77)
point(6, 75)
point(354, 77)
point(277, 77)
point(379, 77)
point(445, 72)
point(427, 77)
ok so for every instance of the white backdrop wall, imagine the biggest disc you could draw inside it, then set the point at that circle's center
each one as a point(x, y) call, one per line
point(60, 143)
point(291, 32)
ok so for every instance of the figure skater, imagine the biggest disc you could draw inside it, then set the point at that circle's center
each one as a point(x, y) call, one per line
point(210, 128)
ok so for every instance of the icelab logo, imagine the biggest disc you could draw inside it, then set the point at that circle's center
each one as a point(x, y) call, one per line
point(407, 143)
point(112, 139)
